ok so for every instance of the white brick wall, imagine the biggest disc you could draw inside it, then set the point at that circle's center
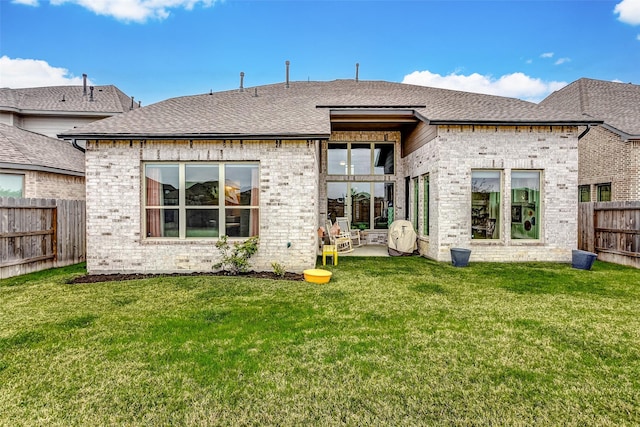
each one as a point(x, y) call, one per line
point(293, 196)
point(53, 186)
point(457, 150)
point(288, 205)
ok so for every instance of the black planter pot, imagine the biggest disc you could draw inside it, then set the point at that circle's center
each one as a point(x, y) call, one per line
point(582, 260)
point(460, 257)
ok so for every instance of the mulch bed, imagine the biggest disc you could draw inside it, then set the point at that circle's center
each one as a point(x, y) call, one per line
point(97, 278)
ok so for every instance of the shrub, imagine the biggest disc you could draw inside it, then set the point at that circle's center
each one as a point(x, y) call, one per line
point(235, 257)
point(278, 269)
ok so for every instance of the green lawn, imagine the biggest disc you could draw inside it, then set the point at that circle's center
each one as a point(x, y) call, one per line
point(400, 341)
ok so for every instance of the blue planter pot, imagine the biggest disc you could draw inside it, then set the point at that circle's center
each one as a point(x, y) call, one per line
point(460, 257)
point(582, 260)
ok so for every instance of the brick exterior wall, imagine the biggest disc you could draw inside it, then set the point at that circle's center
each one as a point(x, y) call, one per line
point(449, 159)
point(293, 200)
point(288, 205)
point(604, 157)
point(53, 186)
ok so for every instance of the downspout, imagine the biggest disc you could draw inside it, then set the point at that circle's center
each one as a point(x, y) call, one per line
point(75, 145)
point(586, 131)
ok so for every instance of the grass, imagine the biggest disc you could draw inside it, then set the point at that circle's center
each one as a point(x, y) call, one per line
point(400, 341)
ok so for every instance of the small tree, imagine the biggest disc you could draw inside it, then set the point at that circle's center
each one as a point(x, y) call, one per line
point(235, 257)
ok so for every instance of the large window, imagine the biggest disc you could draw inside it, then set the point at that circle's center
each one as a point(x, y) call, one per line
point(485, 204)
point(525, 205)
point(368, 205)
point(369, 158)
point(201, 200)
point(11, 185)
point(425, 205)
point(604, 192)
point(584, 193)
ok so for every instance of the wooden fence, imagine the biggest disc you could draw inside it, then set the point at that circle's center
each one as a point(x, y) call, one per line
point(612, 230)
point(36, 234)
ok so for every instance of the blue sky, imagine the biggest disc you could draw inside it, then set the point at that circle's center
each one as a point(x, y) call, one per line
point(157, 49)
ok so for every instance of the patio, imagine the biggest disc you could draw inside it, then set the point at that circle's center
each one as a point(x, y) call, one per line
point(368, 250)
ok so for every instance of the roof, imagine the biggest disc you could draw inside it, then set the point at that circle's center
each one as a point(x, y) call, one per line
point(21, 149)
point(302, 109)
point(107, 100)
point(617, 104)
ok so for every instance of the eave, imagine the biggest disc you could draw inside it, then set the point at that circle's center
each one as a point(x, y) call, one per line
point(193, 136)
point(29, 167)
point(623, 135)
point(54, 113)
point(515, 122)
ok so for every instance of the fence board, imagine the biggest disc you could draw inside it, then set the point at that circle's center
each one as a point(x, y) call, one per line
point(612, 230)
point(36, 234)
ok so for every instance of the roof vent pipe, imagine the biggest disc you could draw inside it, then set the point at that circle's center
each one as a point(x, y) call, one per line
point(357, 66)
point(139, 104)
point(241, 81)
point(132, 104)
point(90, 93)
point(287, 81)
point(84, 85)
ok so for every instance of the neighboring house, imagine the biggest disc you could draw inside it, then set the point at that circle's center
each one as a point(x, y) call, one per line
point(496, 175)
point(37, 166)
point(609, 155)
point(52, 110)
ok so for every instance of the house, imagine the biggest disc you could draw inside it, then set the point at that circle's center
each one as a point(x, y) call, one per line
point(37, 166)
point(495, 175)
point(609, 155)
point(54, 109)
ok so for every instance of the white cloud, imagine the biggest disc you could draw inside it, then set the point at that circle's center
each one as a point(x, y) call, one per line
point(628, 11)
point(547, 55)
point(26, 2)
point(18, 72)
point(515, 85)
point(130, 10)
point(638, 37)
point(562, 61)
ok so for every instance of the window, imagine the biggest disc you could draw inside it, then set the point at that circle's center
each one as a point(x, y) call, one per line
point(604, 192)
point(414, 203)
point(369, 158)
point(11, 185)
point(485, 204)
point(354, 200)
point(584, 193)
point(525, 205)
point(425, 205)
point(189, 200)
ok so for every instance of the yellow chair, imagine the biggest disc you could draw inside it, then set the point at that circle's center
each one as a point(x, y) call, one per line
point(332, 251)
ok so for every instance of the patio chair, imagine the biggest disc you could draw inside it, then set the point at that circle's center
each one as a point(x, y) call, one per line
point(342, 240)
point(345, 226)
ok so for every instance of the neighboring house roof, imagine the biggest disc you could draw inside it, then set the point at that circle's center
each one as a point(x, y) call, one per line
point(21, 149)
point(67, 100)
point(303, 110)
point(617, 104)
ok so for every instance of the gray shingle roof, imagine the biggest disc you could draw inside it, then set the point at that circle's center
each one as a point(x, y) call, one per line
point(28, 150)
point(303, 109)
point(617, 104)
point(106, 99)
